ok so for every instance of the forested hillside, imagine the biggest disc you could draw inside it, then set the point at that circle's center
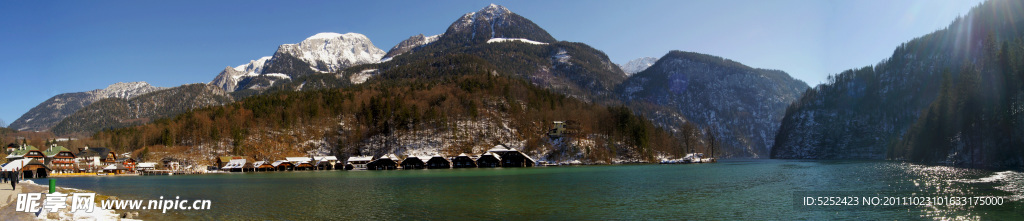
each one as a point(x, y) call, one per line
point(744, 105)
point(949, 96)
point(977, 120)
point(446, 105)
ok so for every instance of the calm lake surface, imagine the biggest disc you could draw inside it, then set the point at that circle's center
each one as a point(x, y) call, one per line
point(729, 190)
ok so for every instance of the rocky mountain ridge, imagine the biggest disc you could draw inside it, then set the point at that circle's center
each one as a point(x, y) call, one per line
point(48, 113)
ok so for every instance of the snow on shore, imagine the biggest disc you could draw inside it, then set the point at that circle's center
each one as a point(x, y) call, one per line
point(65, 214)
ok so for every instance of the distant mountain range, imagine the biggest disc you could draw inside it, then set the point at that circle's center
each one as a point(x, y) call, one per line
point(740, 104)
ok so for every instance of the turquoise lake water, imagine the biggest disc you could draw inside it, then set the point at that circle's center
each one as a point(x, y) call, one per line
point(729, 190)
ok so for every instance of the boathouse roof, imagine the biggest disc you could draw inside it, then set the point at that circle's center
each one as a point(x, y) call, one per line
point(279, 162)
point(325, 158)
point(490, 154)
point(413, 159)
point(360, 158)
point(235, 164)
point(297, 159)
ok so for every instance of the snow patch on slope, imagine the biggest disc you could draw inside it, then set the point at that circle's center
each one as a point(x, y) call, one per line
point(278, 75)
point(528, 41)
point(362, 76)
point(562, 56)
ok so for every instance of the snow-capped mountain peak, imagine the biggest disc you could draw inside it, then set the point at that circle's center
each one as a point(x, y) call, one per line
point(638, 65)
point(330, 35)
point(492, 11)
point(325, 52)
point(331, 52)
point(487, 15)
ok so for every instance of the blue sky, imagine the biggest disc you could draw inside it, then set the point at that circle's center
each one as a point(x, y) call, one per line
point(54, 47)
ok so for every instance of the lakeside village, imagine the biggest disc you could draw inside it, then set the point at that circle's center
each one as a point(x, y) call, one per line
point(88, 161)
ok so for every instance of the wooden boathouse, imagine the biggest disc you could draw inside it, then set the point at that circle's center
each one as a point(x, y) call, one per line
point(510, 157)
point(488, 160)
point(239, 165)
point(384, 163)
point(438, 162)
point(283, 165)
point(261, 166)
point(463, 161)
point(301, 163)
point(221, 161)
point(359, 162)
point(413, 163)
point(324, 162)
